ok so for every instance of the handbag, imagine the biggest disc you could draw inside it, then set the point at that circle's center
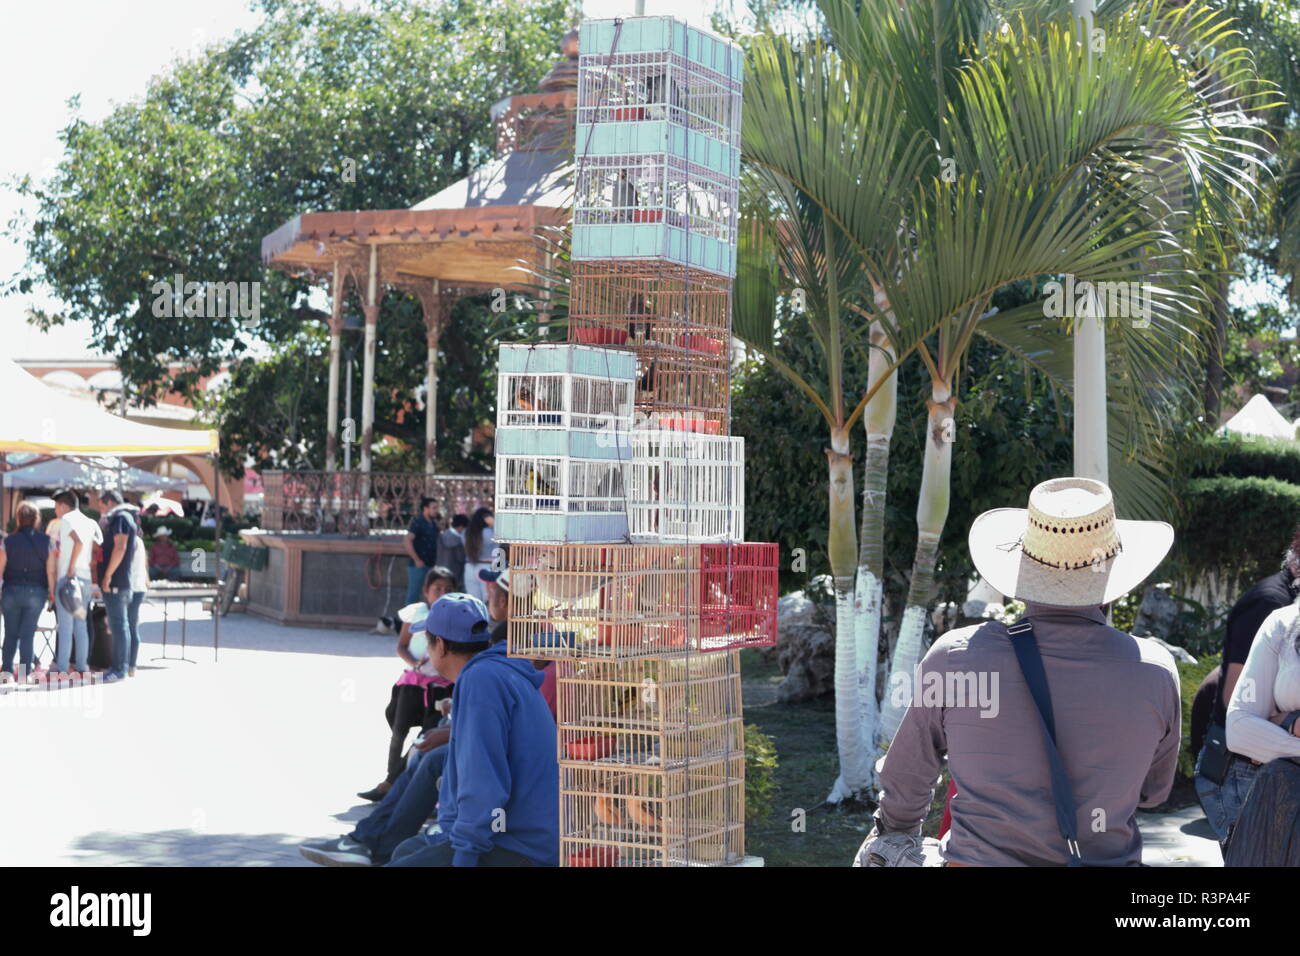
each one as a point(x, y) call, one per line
point(1031, 665)
point(1216, 758)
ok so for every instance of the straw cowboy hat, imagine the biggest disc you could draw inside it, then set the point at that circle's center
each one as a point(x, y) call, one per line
point(1067, 548)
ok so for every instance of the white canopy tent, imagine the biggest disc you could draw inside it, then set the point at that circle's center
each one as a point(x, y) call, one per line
point(1259, 418)
point(37, 418)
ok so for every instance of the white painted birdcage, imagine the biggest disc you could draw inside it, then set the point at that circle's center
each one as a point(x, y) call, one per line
point(564, 415)
point(686, 486)
point(655, 206)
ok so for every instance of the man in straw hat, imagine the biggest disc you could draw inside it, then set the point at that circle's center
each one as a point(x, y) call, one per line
point(1059, 710)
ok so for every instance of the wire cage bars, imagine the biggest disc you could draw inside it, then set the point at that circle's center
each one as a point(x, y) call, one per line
point(655, 206)
point(693, 816)
point(685, 486)
point(616, 602)
point(651, 714)
point(626, 97)
point(560, 499)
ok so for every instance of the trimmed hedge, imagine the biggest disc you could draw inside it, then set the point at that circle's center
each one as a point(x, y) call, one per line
point(1237, 527)
point(1238, 457)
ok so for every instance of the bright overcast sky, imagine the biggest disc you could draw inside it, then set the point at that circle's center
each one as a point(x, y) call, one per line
point(106, 51)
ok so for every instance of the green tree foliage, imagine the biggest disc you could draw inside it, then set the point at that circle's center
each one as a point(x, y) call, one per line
point(319, 107)
point(1012, 434)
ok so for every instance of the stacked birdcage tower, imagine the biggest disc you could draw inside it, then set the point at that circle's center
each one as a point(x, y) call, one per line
point(646, 609)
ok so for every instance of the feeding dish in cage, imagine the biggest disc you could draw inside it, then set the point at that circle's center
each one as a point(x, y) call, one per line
point(708, 426)
point(601, 336)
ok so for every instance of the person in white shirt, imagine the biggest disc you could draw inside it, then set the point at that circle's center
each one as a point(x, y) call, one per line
point(75, 542)
point(1263, 720)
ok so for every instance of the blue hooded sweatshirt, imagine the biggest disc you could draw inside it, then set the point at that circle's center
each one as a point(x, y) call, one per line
point(500, 785)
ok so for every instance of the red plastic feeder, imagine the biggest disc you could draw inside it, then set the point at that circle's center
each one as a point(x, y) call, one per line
point(600, 336)
point(623, 114)
point(700, 343)
point(594, 856)
point(590, 748)
point(708, 426)
point(647, 215)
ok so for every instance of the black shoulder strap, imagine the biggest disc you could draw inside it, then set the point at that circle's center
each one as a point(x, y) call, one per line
point(1031, 665)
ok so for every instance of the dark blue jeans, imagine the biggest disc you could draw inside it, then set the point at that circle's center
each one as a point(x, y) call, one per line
point(414, 582)
point(409, 802)
point(133, 621)
point(118, 605)
point(424, 850)
point(22, 609)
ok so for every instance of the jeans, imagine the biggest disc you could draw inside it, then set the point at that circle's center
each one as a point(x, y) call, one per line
point(426, 850)
point(118, 605)
point(73, 645)
point(414, 583)
point(408, 803)
point(1222, 803)
point(133, 623)
point(22, 609)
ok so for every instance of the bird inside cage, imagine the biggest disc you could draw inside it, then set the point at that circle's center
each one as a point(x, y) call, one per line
point(639, 314)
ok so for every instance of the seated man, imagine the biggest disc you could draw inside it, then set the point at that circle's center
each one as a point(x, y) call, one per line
point(499, 800)
point(164, 559)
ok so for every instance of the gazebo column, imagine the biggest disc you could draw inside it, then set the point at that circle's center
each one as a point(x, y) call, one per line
point(433, 320)
point(371, 310)
point(336, 340)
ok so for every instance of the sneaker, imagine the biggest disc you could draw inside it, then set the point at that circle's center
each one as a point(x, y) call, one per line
point(131, 672)
point(7, 678)
point(112, 678)
point(341, 852)
point(375, 794)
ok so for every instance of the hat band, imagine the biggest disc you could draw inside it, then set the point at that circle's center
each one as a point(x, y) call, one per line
point(1068, 566)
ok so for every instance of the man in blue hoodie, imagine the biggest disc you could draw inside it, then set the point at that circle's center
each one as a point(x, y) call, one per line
point(499, 804)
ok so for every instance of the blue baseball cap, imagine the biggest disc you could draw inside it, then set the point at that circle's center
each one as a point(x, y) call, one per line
point(501, 577)
point(457, 617)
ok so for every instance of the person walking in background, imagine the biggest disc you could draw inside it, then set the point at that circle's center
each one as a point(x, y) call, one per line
point(451, 549)
point(1077, 722)
point(75, 542)
point(139, 586)
point(479, 549)
point(115, 579)
point(28, 581)
point(421, 544)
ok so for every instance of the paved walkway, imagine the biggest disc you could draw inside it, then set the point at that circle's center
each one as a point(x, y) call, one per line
point(236, 762)
point(233, 762)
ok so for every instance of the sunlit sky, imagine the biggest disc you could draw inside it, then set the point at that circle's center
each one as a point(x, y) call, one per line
point(106, 51)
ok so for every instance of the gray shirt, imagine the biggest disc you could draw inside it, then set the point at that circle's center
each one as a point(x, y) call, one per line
point(1118, 726)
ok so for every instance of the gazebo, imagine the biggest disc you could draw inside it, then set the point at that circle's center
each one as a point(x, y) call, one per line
point(486, 232)
point(478, 234)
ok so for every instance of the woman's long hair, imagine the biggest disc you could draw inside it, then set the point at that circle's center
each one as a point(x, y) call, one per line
point(474, 535)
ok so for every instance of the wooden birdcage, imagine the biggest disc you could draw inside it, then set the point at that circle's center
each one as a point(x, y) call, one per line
point(615, 602)
point(690, 816)
point(651, 713)
point(685, 486)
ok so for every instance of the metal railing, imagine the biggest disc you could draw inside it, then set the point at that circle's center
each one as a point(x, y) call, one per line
point(357, 503)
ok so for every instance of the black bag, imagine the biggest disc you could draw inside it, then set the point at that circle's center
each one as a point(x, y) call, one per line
point(1267, 832)
point(1216, 758)
point(101, 641)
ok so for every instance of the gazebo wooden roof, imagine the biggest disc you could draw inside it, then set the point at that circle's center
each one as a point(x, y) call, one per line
point(482, 232)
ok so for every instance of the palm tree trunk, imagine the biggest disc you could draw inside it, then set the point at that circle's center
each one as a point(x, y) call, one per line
point(931, 514)
point(851, 742)
point(878, 420)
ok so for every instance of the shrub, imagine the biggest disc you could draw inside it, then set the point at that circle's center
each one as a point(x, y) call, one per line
point(1236, 456)
point(760, 774)
point(1189, 678)
point(1238, 528)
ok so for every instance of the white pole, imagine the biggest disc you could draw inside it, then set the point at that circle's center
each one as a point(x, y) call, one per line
point(1090, 448)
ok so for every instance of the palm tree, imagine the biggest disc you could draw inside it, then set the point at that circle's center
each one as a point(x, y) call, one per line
point(1045, 167)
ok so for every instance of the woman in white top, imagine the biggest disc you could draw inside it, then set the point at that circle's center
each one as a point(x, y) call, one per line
point(479, 551)
point(1263, 720)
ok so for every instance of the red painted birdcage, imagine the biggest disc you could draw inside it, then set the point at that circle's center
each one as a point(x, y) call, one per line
point(621, 601)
